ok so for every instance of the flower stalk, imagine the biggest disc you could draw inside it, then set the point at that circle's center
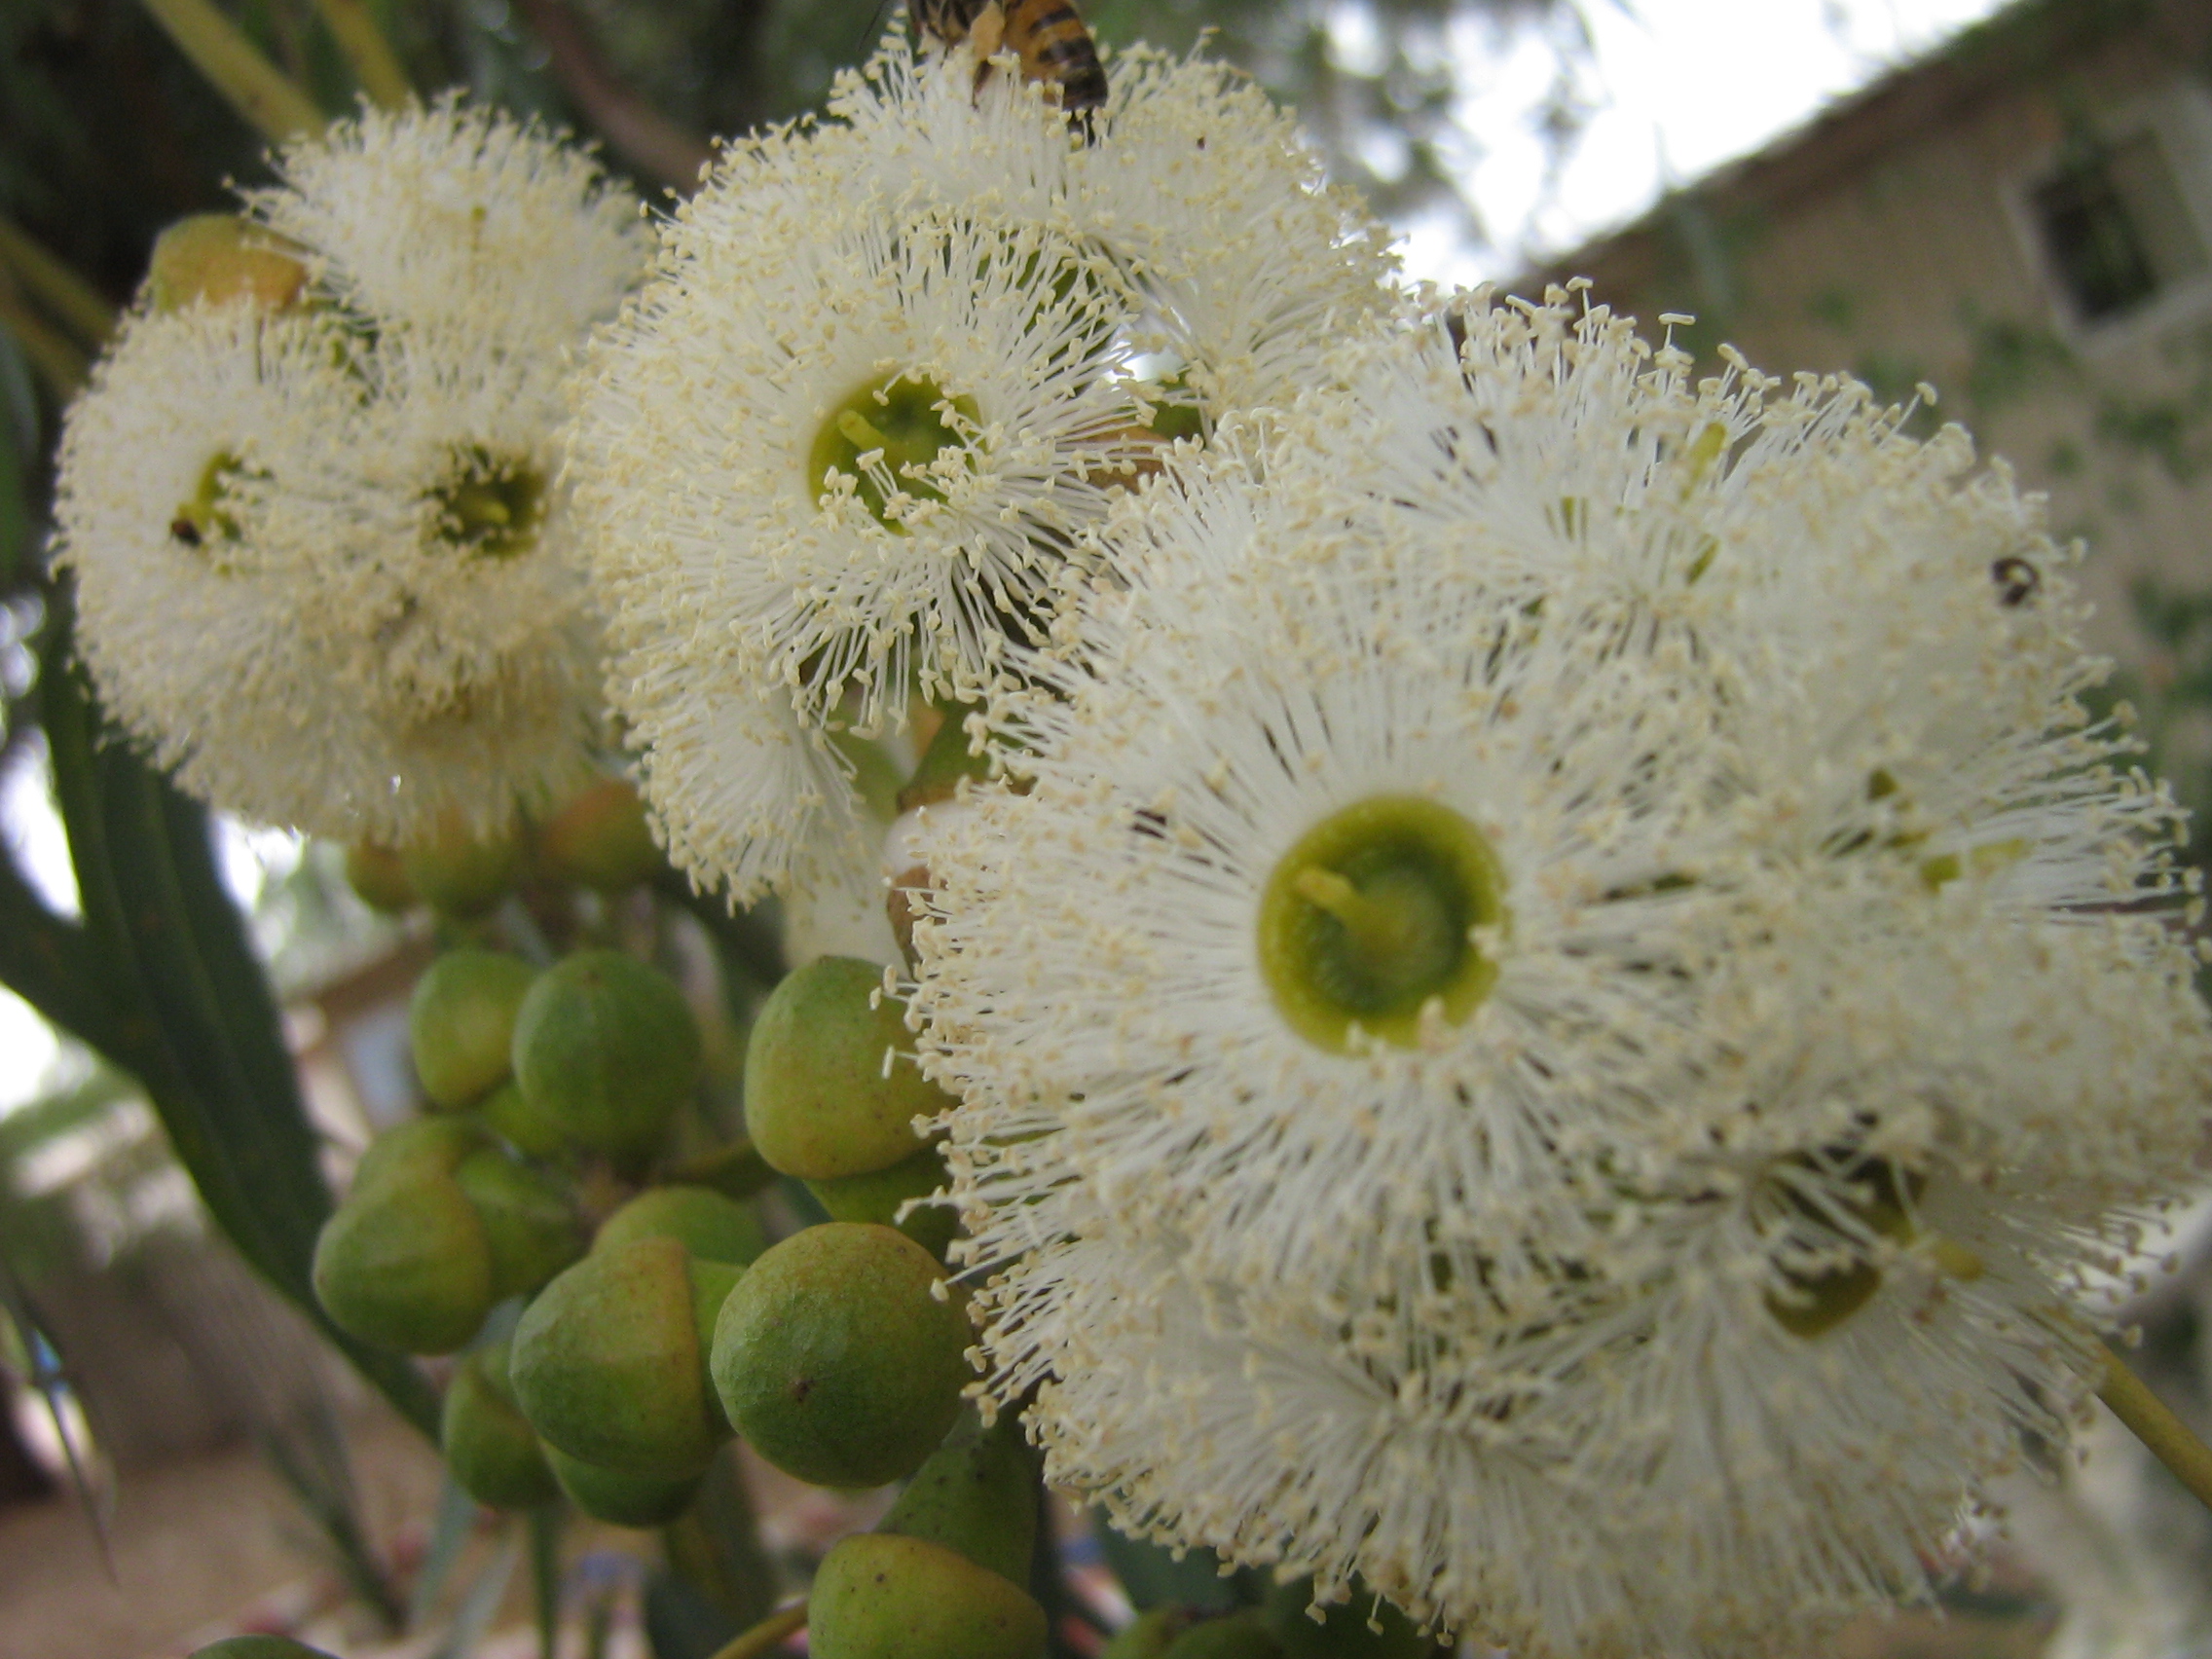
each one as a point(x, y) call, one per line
point(2152, 1421)
point(763, 1637)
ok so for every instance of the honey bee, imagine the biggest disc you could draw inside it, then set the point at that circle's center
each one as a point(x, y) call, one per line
point(1047, 35)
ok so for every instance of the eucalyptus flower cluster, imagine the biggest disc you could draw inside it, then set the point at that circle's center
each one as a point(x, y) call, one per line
point(1536, 992)
point(324, 565)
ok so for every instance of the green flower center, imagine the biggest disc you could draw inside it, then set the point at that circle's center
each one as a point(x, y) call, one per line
point(207, 517)
point(1814, 1301)
point(490, 505)
point(890, 430)
point(1368, 920)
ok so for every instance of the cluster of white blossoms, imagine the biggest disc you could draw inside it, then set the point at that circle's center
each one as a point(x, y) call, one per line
point(323, 563)
point(1566, 997)
point(891, 372)
point(1559, 1003)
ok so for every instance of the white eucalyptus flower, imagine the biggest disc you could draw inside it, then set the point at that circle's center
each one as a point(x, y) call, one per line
point(457, 220)
point(838, 458)
point(1346, 897)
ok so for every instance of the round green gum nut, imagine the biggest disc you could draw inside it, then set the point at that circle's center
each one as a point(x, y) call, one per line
point(823, 1095)
point(619, 1496)
point(606, 1050)
point(1239, 1636)
point(462, 876)
point(378, 877)
point(419, 1147)
point(460, 1023)
point(600, 840)
point(486, 1441)
point(506, 1112)
point(880, 1596)
point(1342, 1632)
point(257, 1647)
point(528, 1222)
point(405, 1264)
point(880, 1194)
point(835, 1362)
point(219, 258)
point(976, 1495)
point(712, 1227)
point(609, 1365)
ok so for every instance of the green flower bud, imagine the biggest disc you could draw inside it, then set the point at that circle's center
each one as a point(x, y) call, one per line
point(420, 1146)
point(405, 1263)
point(823, 1095)
point(1239, 1636)
point(618, 1497)
point(879, 1194)
point(609, 1367)
point(258, 1647)
point(219, 258)
point(943, 764)
point(977, 1496)
point(528, 1222)
point(460, 876)
point(378, 877)
point(606, 1050)
point(1343, 1633)
point(835, 1361)
point(600, 840)
point(461, 1024)
point(1150, 1635)
point(712, 1228)
point(879, 1596)
point(487, 1442)
point(506, 1110)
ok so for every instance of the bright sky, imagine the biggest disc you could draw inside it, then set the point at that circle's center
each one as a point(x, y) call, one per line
point(1682, 86)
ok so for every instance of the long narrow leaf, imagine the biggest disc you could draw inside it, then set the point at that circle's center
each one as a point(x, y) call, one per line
point(193, 1016)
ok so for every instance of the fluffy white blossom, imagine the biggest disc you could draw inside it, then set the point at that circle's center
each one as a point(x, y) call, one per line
point(1814, 1024)
point(391, 633)
point(1053, 301)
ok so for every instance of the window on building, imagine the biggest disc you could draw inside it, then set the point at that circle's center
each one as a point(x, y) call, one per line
point(2116, 229)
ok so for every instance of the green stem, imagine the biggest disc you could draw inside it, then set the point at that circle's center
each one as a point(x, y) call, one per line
point(766, 1635)
point(375, 64)
point(2149, 1418)
point(67, 295)
point(234, 65)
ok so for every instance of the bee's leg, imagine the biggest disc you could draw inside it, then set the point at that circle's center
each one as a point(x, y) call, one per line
point(987, 34)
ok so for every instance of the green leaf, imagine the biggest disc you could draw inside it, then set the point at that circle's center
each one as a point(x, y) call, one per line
point(189, 1012)
point(1152, 1575)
